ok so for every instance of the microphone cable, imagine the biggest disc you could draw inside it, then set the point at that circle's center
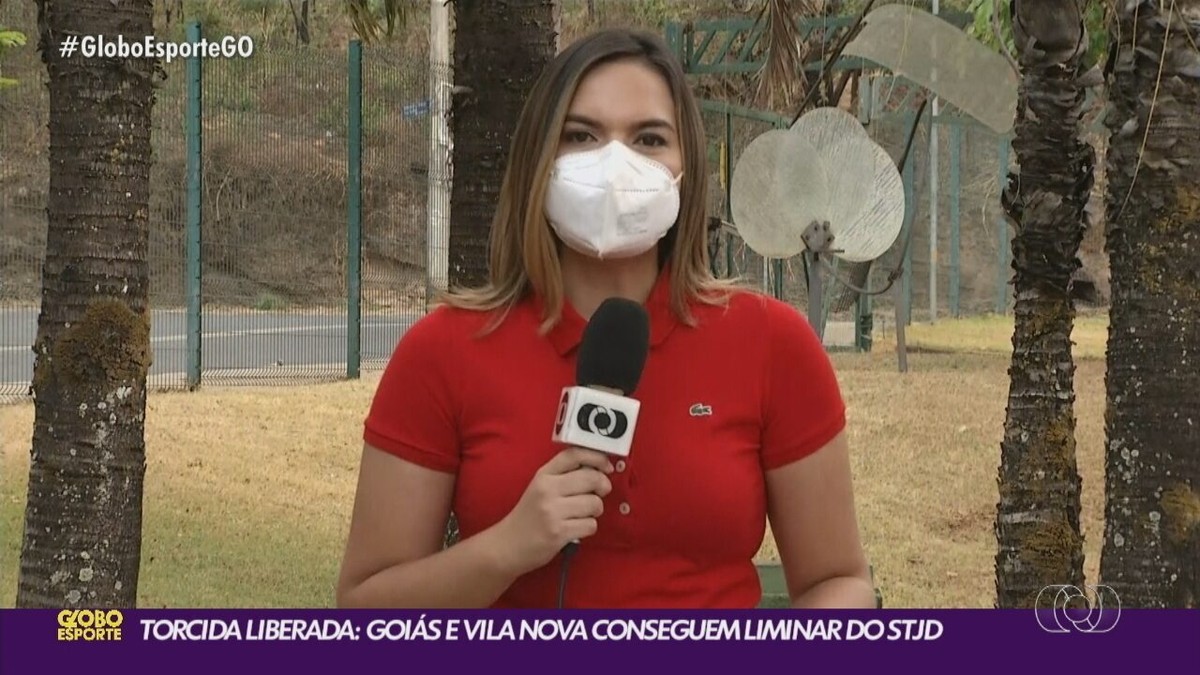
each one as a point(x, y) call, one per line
point(568, 552)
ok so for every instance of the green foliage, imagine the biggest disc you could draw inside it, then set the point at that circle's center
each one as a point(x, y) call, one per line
point(981, 29)
point(258, 6)
point(1096, 19)
point(655, 12)
point(9, 39)
point(374, 18)
point(267, 302)
point(213, 22)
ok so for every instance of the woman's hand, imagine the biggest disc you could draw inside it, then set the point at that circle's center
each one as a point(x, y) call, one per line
point(561, 505)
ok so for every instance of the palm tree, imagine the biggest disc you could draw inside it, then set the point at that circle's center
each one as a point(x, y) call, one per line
point(8, 40)
point(1037, 524)
point(1037, 521)
point(1151, 553)
point(500, 49)
point(82, 537)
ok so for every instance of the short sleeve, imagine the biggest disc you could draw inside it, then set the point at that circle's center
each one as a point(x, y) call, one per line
point(803, 405)
point(413, 414)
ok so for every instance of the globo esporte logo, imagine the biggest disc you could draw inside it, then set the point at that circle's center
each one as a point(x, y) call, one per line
point(1066, 608)
point(90, 624)
point(602, 420)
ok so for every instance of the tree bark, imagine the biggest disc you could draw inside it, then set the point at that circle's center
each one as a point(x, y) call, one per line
point(82, 535)
point(1037, 521)
point(500, 49)
point(1151, 553)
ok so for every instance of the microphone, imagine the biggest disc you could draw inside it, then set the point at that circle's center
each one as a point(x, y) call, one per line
point(597, 412)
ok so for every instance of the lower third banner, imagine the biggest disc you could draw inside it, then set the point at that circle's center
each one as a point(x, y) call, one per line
point(184, 641)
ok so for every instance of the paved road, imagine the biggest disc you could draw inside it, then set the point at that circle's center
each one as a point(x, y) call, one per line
point(232, 341)
point(247, 343)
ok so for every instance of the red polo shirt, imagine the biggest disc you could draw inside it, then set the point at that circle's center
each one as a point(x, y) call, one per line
point(748, 389)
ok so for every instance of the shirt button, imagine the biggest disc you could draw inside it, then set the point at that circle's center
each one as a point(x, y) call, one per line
point(620, 465)
point(624, 508)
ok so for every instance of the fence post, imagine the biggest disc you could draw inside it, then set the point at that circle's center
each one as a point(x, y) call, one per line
point(935, 206)
point(354, 214)
point(910, 212)
point(728, 191)
point(955, 219)
point(437, 209)
point(1002, 272)
point(195, 158)
point(864, 319)
point(864, 324)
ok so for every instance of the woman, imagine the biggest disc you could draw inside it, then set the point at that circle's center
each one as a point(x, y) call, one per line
point(741, 418)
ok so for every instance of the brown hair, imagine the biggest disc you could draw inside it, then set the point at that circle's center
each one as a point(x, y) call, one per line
point(523, 252)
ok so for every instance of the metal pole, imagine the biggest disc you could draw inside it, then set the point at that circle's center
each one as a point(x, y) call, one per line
point(955, 220)
point(437, 251)
point(903, 290)
point(908, 174)
point(1003, 272)
point(727, 188)
point(933, 191)
point(864, 319)
point(816, 312)
point(354, 214)
point(193, 272)
point(901, 337)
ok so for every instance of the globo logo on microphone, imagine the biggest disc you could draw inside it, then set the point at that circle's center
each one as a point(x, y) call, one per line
point(597, 420)
point(601, 420)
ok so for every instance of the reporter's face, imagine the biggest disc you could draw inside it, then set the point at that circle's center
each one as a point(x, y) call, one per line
point(626, 101)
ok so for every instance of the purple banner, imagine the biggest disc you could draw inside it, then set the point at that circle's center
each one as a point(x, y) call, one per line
point(570, 642)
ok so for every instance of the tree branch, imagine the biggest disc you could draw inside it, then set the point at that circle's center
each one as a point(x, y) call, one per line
point(999, 33)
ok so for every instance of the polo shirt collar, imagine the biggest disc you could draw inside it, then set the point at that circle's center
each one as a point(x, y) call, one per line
point(568, 332)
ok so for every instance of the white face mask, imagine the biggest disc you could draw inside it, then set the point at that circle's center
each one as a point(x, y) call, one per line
point(611, 202)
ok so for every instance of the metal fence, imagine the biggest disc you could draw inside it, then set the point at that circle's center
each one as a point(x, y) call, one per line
point(288, 213)
point(290, 206)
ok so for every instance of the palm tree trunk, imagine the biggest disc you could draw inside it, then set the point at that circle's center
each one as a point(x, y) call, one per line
point(82, 538)
point(1151, 553)
point(500, 48)
point(1037, 521)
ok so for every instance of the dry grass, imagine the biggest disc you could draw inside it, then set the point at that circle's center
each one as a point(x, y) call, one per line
point(248, 491)
point(989, 334)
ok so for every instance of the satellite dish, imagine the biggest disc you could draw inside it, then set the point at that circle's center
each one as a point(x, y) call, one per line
point(942, 58)
point(776, 190)
point(823, 187)
point(821, 123)
point(851, 190)
point(848, 154)
point(878, 222)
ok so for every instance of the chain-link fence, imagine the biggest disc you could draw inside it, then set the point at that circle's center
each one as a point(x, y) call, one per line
point(304, 156)
point(253, 275)
point(965, 270)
